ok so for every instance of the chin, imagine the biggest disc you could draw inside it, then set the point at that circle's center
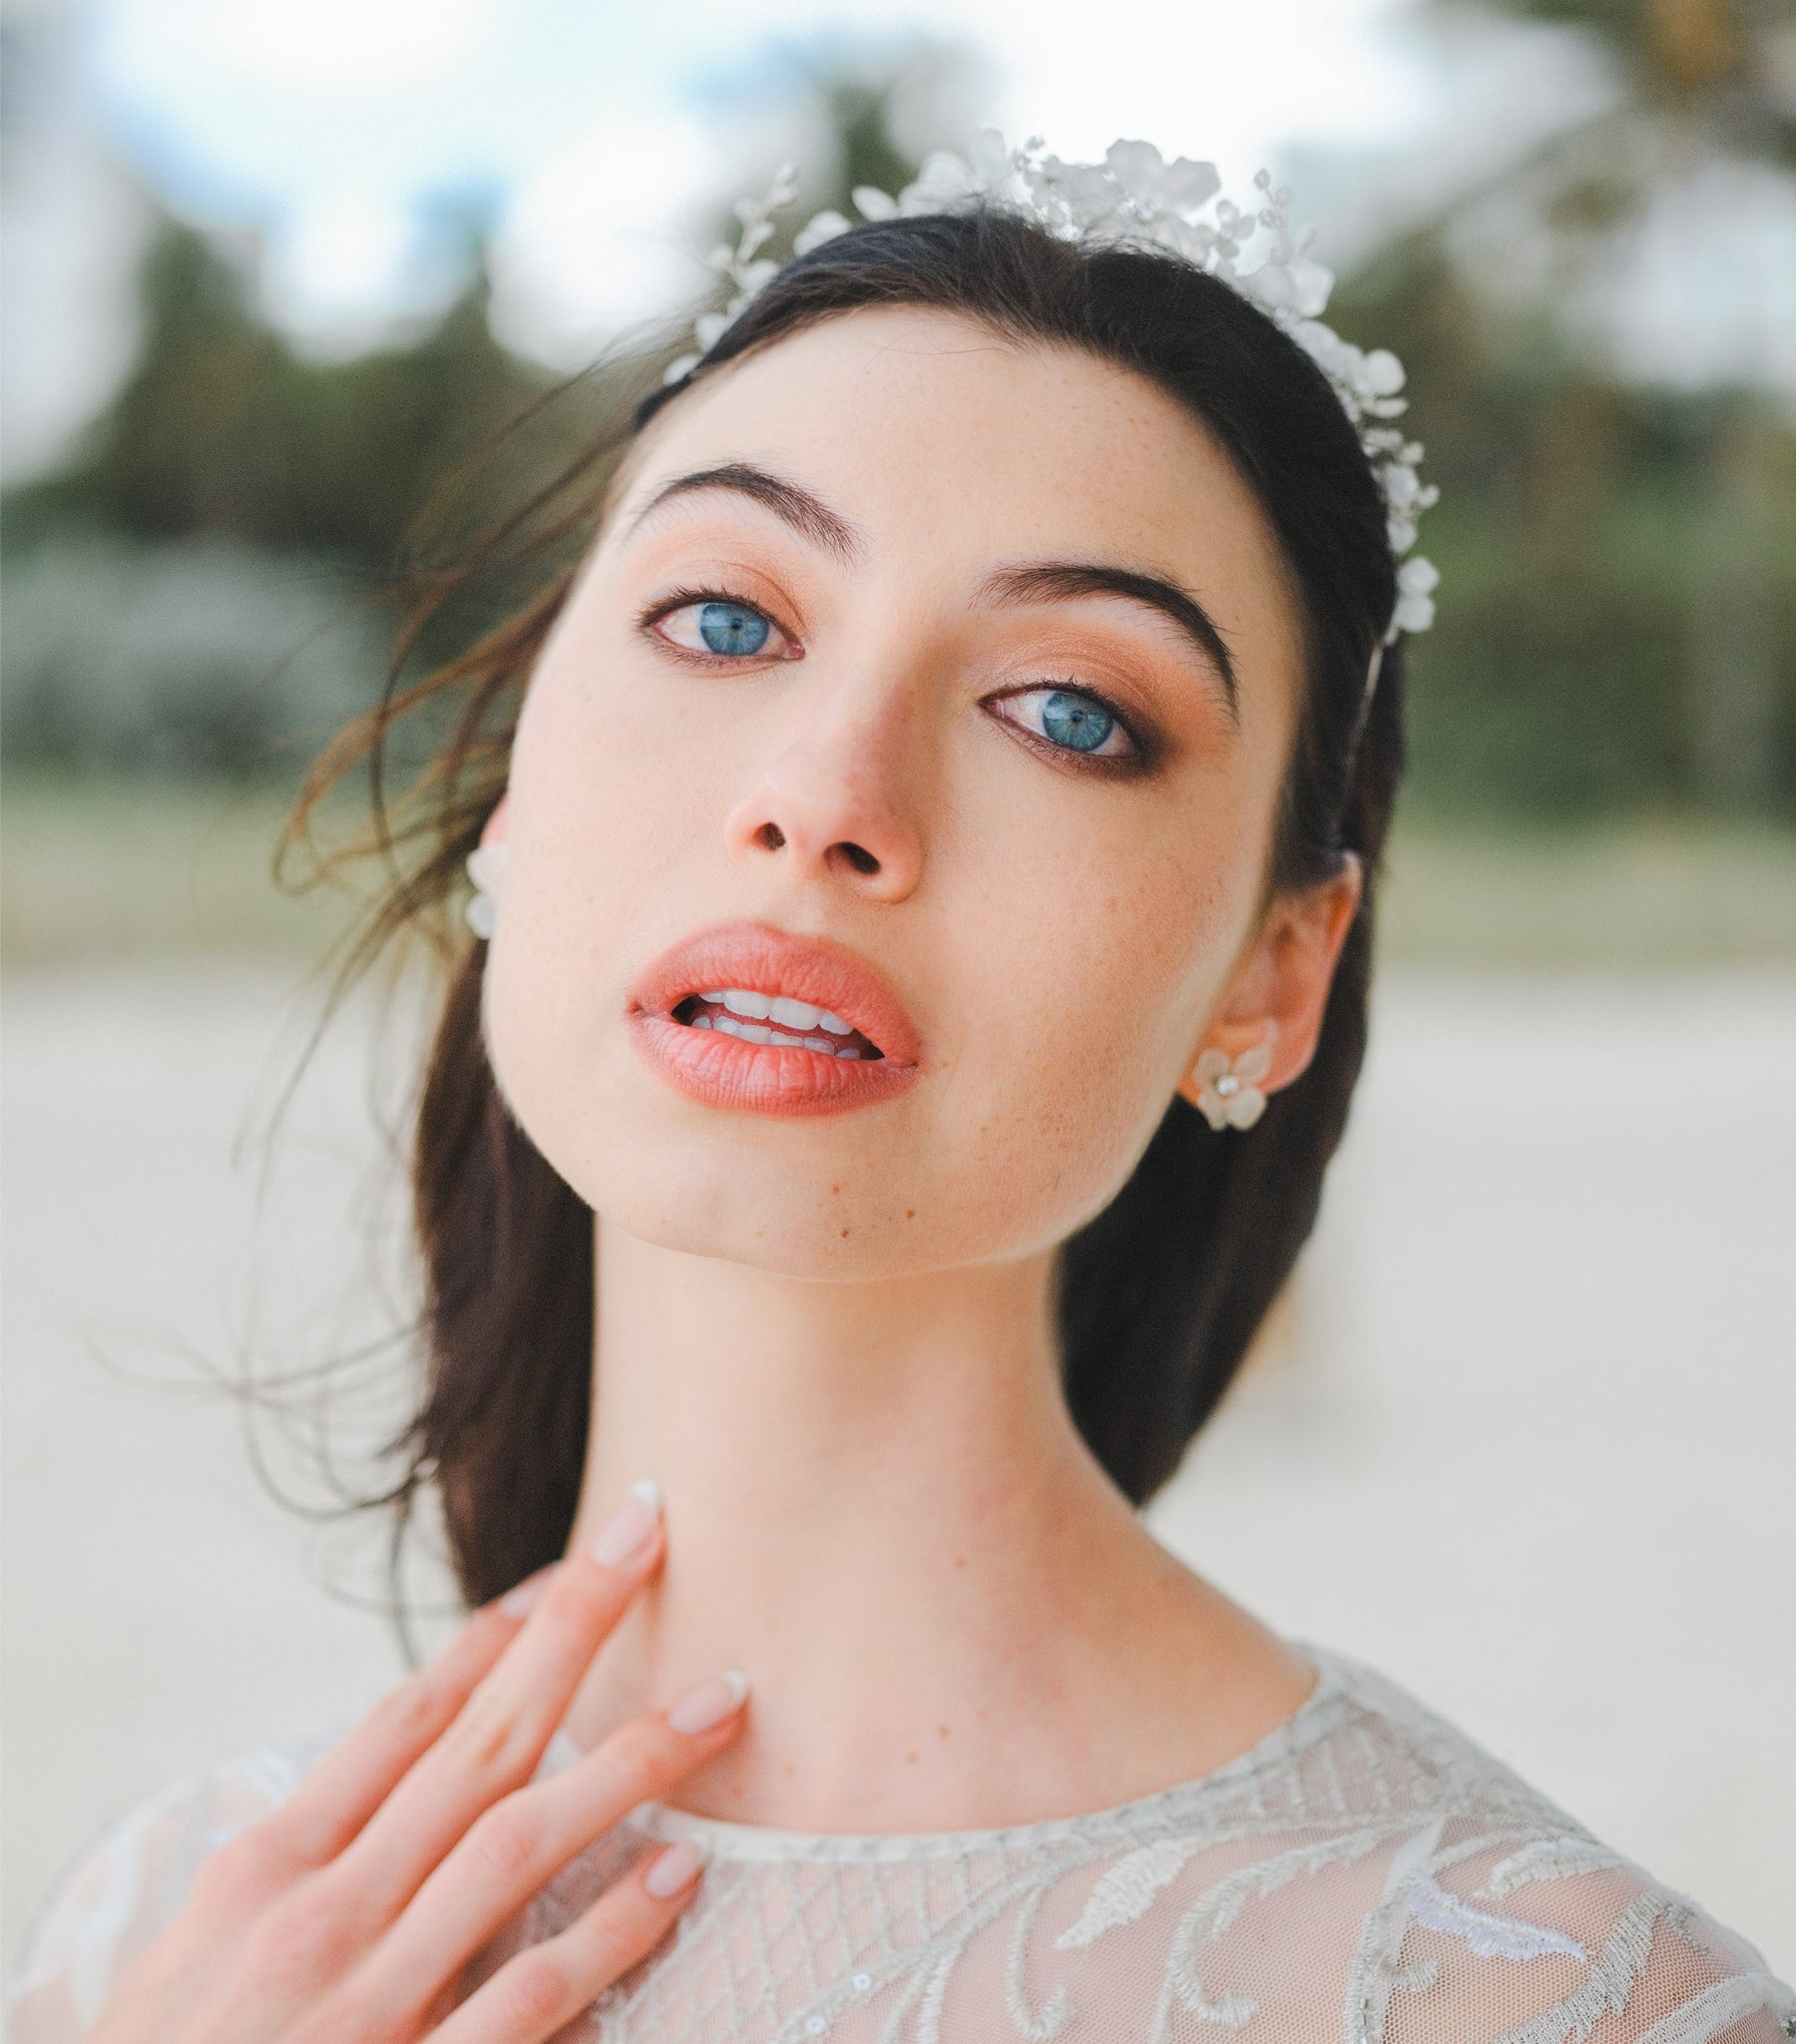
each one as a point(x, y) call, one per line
point(808, 1255)
point(769, 1214)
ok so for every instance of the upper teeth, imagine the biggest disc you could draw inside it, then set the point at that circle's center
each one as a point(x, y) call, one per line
point(779, 1008)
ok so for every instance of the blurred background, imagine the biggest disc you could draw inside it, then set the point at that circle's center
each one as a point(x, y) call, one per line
point(1519, 1434)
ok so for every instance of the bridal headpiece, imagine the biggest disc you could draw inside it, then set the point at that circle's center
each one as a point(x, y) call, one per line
point(1135, 197)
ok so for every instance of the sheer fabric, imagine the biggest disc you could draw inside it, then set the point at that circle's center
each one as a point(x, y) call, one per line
point(1365, 1875)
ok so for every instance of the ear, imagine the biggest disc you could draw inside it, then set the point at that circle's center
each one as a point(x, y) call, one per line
point(498, 824)
point(1279, 989)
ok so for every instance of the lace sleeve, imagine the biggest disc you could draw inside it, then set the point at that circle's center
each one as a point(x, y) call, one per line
point(1638, 1962)
point(127, 1885)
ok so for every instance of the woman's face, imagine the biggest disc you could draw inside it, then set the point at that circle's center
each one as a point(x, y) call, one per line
point(912, 677)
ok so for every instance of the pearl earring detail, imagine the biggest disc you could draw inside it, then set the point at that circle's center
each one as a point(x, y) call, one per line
point(1228, 1090)
point(486, 862)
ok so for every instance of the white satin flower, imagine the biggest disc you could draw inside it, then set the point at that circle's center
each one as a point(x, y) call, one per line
point(1300, 285)
point(1416, 582)
point(820, 227)
point(1179, 187)
point(946, 178)
point(1228, 1092)
point(485, 864)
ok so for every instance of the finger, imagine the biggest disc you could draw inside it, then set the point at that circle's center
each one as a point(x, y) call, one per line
point(337, 1795)
point(518, 1846)
point(534, 1994)
point(492, 1743)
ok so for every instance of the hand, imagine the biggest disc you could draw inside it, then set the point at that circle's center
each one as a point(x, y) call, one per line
point(349, 1913)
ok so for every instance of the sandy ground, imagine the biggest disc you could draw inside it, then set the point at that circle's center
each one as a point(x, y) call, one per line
point(1525, 1443)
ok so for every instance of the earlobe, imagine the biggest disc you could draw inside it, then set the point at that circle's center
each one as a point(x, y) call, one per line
point(1268, 1027)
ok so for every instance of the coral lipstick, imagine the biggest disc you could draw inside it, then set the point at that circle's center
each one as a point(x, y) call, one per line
point(840, 1037)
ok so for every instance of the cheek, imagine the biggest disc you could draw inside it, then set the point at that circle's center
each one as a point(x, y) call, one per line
point(616, 778)
point(1092, 979)
point(592, 788)
point(594, 750)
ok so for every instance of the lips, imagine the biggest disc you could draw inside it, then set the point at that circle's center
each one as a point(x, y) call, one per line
point(725, 1070)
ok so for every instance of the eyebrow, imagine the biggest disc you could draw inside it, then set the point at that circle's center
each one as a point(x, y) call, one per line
point(1056, 581)
point(801, 509)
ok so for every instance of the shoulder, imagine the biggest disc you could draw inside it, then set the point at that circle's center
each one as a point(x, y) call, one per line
point(122, 1886)
point(1459, 1904)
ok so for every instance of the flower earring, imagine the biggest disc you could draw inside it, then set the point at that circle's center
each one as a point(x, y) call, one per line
point(486, 864)
point(1228, 1088)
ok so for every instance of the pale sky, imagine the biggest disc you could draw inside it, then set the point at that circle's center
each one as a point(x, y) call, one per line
point(600, 140)
point(599, 134)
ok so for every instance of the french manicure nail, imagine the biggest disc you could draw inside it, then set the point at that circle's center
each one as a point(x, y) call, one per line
point(631, 1527)
point(710, 1702)
point(675, 1869)
point(522, 1597)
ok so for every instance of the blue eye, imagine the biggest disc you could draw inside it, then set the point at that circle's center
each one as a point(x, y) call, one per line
point(1075, 720)
point(723, 628)
point(733, 628)
point(717, 625)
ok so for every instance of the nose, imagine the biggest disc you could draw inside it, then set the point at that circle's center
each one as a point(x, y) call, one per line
point(832, 801)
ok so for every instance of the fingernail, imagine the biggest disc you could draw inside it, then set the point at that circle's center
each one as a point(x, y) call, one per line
point(522, 1597)
point(675, 1869)
point(631, 1527)
point(710, 1702)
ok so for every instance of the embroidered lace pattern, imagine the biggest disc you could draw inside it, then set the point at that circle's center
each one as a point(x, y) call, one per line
point(1365, 1875)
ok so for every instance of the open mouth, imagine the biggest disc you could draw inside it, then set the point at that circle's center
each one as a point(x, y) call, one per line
point(753, 1019)
point(775, 1019)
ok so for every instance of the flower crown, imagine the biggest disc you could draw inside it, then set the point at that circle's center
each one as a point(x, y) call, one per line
point(1134, 197)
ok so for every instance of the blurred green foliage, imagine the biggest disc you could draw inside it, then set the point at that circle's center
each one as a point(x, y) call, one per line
point(1617, 616)
point(1616, 630)
point(201, 583)
point(197, 586)
point(221, 427)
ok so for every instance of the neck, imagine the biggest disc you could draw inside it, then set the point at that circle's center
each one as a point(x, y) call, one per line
point(878, 1507)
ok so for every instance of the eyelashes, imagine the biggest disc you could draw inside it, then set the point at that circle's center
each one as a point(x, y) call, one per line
point(726, 630)
point(1069, 731)
point(724, 623)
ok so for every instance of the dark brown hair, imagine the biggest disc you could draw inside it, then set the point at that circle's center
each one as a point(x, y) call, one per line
point(1160, 1296)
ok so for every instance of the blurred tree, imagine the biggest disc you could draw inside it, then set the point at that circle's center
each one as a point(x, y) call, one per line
point(221, 428)
point(857, 109)
point(286, 489)
point(1717, 69)
point(1647, 517)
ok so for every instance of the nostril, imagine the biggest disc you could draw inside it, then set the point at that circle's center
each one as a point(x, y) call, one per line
point(861, 861)
point(770, 837)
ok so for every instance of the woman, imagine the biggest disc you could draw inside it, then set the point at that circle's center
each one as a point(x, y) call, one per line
point(922, 955)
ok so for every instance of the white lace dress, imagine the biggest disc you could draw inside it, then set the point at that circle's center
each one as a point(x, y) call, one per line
point(1365, 1875)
